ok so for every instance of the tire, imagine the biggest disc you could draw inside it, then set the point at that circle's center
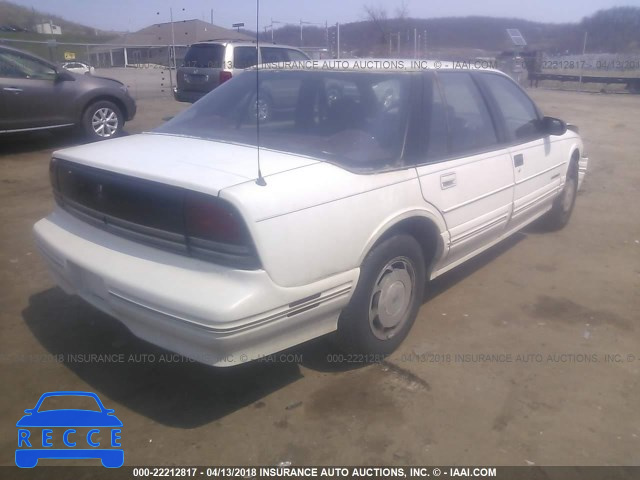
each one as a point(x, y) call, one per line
point(393, 273)
point(560, 213)
point(102, 120)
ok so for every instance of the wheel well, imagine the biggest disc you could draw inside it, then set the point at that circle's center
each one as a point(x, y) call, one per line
point(425, 232)
point(107, 98)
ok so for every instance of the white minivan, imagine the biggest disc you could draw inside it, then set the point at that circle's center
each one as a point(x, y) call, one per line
point(209, 64)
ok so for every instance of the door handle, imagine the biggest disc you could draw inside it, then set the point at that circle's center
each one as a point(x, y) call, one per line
point(447, 180)
point(12, 89)
point(518, 160)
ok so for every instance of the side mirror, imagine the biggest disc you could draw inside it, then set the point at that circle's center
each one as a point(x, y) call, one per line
point(63, 76)
point(554, 126)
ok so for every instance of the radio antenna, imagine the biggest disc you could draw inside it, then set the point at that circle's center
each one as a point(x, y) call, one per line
point(260, 180)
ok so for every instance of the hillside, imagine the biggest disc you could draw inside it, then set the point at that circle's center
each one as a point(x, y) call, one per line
point(12, 15)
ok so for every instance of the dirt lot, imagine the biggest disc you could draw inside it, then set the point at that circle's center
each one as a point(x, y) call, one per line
point(543, 309)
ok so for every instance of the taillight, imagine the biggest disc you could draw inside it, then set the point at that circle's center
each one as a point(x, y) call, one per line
point(216, 231)
point(224, 76)
point(213, 219)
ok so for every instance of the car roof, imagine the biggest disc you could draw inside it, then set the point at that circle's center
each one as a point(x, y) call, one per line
point(381, 65)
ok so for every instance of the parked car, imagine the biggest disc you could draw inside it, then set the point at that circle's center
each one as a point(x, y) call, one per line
point(372, 184)
point(207, 65)
point(37, 95)
point(79, 67)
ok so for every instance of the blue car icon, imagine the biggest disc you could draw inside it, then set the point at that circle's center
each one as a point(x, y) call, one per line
point(79, 433)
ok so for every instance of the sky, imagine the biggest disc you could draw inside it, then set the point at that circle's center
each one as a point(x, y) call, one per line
point(132, 15)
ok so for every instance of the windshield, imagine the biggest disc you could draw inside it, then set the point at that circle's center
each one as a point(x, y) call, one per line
point(355, 119)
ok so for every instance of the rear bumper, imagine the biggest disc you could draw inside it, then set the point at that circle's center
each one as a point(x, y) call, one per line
point(212, 314)
point(185, 96)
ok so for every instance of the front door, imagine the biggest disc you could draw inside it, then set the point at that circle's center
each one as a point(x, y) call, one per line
point(537, 165)
point(29, 93)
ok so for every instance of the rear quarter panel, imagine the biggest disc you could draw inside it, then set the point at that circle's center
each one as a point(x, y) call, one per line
point(319, 220)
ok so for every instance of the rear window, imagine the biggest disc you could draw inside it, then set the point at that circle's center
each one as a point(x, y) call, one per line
point(354, 119)
point(204, 56)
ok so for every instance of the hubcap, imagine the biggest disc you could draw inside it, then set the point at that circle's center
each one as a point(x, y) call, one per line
point(105, 122)
point(392, 297)
point(569, 192)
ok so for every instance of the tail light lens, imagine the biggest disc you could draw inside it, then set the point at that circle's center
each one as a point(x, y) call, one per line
point(216, 231)
point(171, 218)
point(224, 76)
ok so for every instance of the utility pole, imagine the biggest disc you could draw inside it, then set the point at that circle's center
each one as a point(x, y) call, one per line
point(326, 34)
point(584, 50)
point(272, 22)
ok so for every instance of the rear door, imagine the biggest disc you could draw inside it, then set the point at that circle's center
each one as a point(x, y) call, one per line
point(201, 67)
point(537, 163)
point(464, 168)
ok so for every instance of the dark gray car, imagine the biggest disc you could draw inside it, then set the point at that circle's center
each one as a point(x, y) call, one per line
point(37, 95)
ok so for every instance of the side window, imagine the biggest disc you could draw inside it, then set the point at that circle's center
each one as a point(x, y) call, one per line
point(9, 70)
point(470, 124)
point(518, 111)
point(273, 55)
point(245, 57)
point(296, 56)
point(18, 66)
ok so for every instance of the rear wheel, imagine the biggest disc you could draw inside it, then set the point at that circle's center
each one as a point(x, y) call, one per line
point(386, 300)
point(560, 212)
point(102, 120)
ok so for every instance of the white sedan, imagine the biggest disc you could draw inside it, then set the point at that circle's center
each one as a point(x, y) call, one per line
point(78, 67)
point(226, 238)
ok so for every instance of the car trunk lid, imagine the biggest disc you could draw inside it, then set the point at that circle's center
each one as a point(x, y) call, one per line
point(205, 166)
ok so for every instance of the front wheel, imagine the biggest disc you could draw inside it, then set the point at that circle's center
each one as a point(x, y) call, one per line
point(386, 300)
point(560, 212)
point(103, 120)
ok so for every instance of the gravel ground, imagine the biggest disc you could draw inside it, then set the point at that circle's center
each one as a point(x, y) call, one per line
point(529, 354)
